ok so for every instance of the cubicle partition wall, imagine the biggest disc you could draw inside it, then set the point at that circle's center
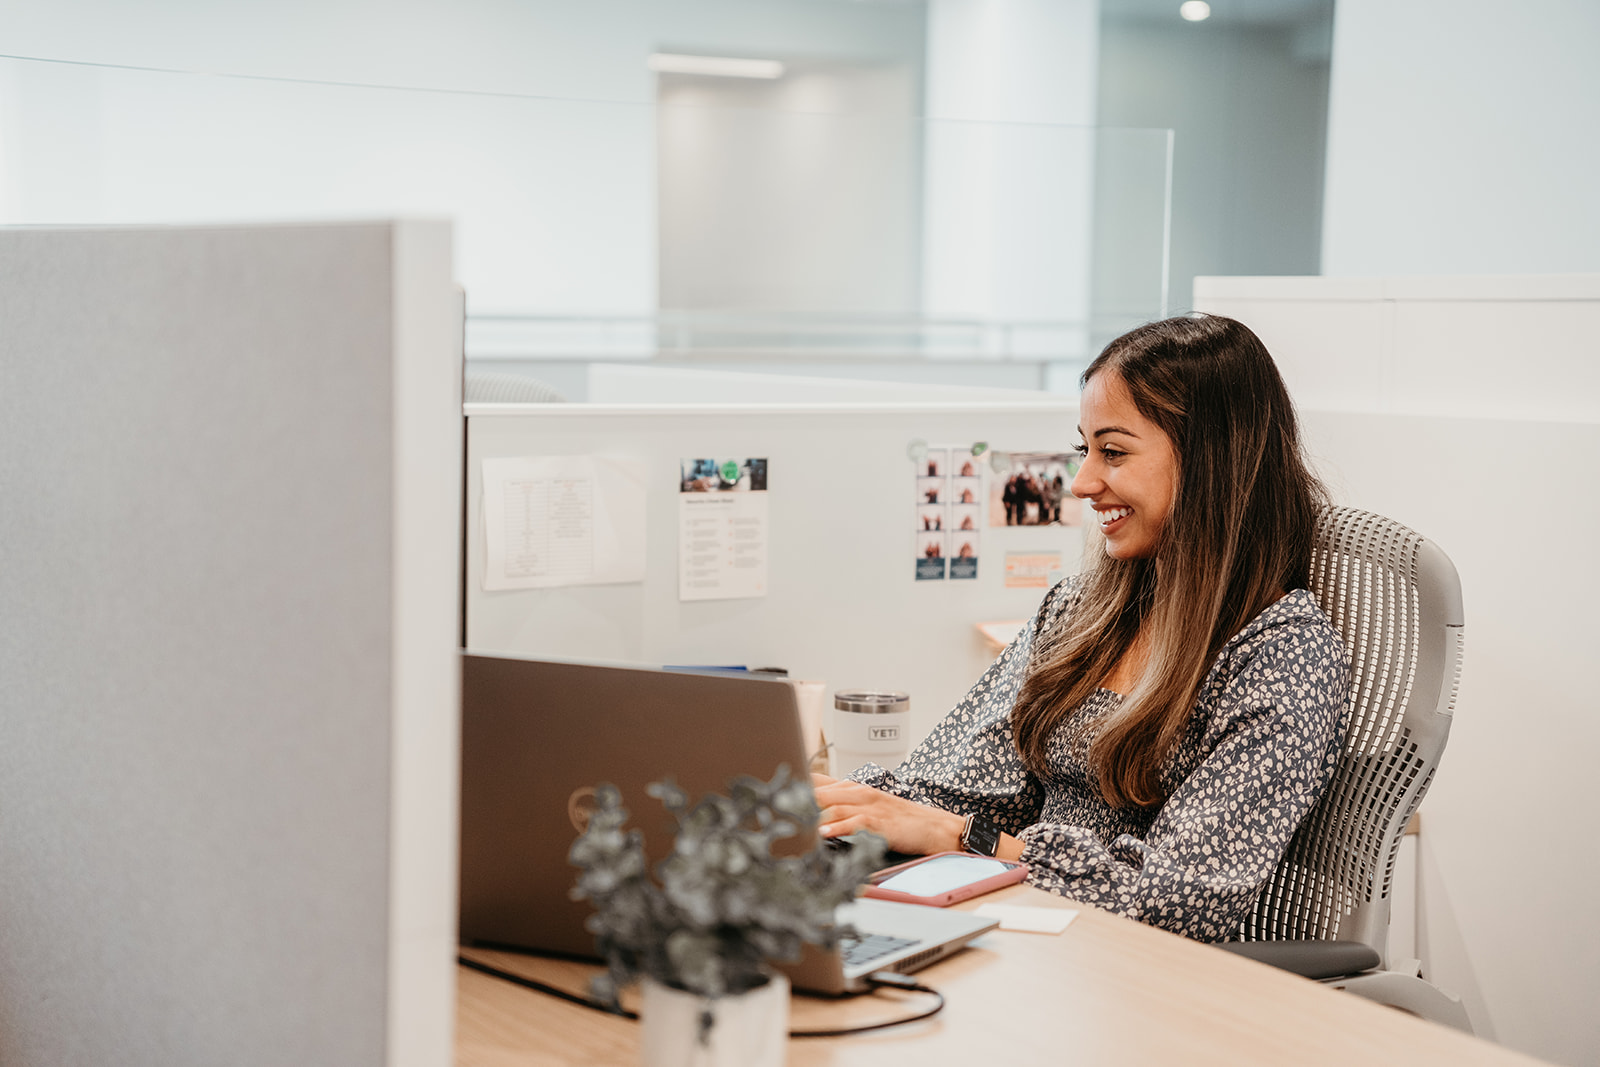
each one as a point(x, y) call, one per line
point(229, 548)
point(1469, 409)
point(842, 602)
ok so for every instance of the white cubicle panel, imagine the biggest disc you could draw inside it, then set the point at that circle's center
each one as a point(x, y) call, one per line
point(230, 461)
point(1510, 932)
point(843, 605)
point(1513, 346)
point(1469, 409)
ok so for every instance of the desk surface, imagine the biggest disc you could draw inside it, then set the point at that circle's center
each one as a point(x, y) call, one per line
point(1105, 991)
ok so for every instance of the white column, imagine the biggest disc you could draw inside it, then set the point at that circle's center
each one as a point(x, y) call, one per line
point(1008, 193)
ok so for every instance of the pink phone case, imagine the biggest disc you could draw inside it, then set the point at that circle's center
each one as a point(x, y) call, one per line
point(1016, 873)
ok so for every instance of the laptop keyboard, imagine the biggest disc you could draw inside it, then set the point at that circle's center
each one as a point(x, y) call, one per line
point(864, 948)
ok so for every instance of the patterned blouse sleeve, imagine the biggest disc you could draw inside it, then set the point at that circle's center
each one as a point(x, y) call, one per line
point(1271, 744)
point(969, 763)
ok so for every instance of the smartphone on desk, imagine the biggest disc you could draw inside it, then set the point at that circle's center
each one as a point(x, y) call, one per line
point(944, 878)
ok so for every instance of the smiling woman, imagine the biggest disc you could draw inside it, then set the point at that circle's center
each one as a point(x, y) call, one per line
point(1129, 472)
point(1150, 743)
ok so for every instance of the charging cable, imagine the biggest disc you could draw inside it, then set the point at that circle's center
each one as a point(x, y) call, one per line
point(878, 979)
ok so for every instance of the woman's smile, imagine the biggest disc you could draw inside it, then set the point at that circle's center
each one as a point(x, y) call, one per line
point(1109, 516)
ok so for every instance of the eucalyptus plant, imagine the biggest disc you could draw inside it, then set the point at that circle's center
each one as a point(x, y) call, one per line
point(715, 911)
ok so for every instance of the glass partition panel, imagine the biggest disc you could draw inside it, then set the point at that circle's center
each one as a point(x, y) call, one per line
point(786, 240)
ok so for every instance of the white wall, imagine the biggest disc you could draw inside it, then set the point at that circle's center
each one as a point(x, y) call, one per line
point(798, 194)
point(1461, 138)
point(554, 198)
point(593, 50)
point(474, 45)
point(1469, 409)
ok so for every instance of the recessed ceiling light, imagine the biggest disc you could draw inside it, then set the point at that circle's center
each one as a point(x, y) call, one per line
point(716, 66)
point(1195, 10)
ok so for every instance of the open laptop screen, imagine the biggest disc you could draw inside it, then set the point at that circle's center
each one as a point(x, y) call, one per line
point(538, 735)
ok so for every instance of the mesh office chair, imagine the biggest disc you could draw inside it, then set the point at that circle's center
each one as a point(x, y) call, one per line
point(1395, 599)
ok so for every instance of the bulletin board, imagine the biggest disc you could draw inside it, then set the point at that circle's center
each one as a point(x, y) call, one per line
point(842, 603)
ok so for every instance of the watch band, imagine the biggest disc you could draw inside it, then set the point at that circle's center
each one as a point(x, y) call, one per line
point(979, 836)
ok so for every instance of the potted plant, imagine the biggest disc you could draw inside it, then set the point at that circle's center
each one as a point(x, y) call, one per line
point(702, 929)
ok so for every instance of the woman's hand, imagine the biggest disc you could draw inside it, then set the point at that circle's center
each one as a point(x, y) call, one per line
point(848, 807)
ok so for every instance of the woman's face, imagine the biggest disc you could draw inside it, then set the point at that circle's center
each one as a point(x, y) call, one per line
point(1130, 469)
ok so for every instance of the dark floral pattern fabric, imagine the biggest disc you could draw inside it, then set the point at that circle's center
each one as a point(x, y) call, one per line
point(1263, 741)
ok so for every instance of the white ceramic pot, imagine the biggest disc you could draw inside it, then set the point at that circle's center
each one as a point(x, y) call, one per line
point(749, 1030)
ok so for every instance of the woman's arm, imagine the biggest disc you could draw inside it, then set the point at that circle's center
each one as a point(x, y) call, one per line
point(1272, 744)
point(968, 763)
point(908, 826)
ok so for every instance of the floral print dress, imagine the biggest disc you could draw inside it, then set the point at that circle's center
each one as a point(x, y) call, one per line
point(1263, 741)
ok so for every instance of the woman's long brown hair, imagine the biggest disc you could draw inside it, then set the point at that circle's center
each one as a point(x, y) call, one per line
point(1237, 538)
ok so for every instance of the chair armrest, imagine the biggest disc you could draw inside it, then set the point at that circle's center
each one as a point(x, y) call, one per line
point(1309, 959)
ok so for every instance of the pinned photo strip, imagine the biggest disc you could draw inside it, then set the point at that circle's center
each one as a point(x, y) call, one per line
point(948, 514)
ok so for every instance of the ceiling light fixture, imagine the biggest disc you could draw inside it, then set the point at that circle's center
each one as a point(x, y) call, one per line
point(716, 66)
point(1195, 10)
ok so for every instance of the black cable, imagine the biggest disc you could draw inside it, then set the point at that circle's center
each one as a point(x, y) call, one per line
point(885, 980)
point(540, 987)
point(879, 980)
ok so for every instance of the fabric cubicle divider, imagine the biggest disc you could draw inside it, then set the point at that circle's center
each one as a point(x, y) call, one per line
point(231, 468)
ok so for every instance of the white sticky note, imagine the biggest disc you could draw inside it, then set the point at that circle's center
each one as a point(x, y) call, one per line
point(1027, 919)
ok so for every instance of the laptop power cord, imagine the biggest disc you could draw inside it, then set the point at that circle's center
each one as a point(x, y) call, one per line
point(878, 979)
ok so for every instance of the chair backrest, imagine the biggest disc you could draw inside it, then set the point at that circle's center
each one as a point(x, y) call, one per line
point(1395, 599)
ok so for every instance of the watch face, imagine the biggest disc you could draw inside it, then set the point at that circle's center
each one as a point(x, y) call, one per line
point(982, 837)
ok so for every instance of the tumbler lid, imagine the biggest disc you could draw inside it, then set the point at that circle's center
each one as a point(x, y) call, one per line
point(870, 701)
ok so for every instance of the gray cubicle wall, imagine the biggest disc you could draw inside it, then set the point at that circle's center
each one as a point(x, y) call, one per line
point(229, 468)
point(842, 604)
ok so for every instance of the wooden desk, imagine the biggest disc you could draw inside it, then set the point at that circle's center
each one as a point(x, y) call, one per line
point(1106, 991)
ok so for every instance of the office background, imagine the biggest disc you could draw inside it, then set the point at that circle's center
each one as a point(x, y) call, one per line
point(1459, 140)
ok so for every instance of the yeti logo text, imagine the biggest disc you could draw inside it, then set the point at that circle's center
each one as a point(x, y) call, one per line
point(883, 733)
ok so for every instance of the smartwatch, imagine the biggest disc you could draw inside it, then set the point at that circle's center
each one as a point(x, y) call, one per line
point(980, 836)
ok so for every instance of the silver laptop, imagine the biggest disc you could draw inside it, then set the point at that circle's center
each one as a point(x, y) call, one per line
point(538, 735)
